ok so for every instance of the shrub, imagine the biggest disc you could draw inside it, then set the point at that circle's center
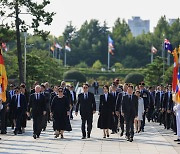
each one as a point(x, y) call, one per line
point(97, 65)
point(134, 78)
point(74, 75)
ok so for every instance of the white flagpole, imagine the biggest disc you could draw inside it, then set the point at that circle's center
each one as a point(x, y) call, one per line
point(152, 57)
point(108, 60)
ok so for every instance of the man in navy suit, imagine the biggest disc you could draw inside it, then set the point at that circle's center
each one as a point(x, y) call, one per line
point(19, 106)
point(87, 104)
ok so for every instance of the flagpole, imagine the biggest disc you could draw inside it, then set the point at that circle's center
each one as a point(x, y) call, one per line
point(59, 56)
point(151, 57)
point(168, 58)
point(108, 60)
point(163, 59)
point(65, 58)
point(25, 40)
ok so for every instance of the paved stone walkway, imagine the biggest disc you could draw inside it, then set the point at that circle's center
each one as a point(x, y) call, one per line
point(155, 140)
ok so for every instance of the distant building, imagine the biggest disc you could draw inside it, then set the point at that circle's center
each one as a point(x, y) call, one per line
point(171, 21)
point(138, 26)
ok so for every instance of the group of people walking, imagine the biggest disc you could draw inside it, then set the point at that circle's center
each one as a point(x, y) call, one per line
point(122, 108)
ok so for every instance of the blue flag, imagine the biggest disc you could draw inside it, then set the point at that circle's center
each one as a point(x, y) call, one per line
point(110, 45)
point(168, 45)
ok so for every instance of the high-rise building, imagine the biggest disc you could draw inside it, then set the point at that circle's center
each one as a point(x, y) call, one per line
point(138, 26)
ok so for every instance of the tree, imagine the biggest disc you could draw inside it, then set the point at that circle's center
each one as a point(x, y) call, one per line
point(154, 72)
point(134, 78)
point(97, 65)
point(36, 11)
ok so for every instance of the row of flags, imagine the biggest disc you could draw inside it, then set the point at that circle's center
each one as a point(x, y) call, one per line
point(58, 46)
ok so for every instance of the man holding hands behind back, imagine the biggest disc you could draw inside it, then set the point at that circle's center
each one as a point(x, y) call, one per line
point(87, 104)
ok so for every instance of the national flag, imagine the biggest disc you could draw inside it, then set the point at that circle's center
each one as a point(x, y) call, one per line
point(4, 46)
point(153, 50)
point(168, 45)
point(110, 45)
point(67, 47)
point(175, 71)
point(3, 78)
point(57, 45)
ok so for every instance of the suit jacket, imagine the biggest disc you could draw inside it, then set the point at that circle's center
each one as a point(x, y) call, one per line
point(71, 99)
point(168, 102)
point(119, 102)
point(130, 106)
point(151, 100)
point(14, 103)
point(145, 95)
point(114, 98)
point(106, 105)
point(37, 105)
point(158, 100)
point(87, 106)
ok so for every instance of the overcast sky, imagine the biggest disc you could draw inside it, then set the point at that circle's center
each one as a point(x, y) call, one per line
point(78, 11)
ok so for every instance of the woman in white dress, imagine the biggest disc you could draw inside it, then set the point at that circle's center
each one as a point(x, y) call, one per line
point(139, 118)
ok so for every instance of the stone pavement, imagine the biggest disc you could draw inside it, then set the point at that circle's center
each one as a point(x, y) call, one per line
point(155, 140)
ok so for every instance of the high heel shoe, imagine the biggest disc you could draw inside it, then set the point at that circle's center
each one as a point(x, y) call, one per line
point(62, 136)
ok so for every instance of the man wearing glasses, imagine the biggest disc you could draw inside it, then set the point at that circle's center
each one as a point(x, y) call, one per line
point(87, 104)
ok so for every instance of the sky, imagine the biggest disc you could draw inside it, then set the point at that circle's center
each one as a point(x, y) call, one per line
point(78, 11)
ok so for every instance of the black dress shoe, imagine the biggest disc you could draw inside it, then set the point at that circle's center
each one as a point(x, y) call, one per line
point(83, 137)
point(178, 143)
point(108, 135)
point(15, 132)
point(37, 136)
point(127, 138)
point(121, 134)
point(34, 136)
point(177, 140)
point(131, 139)
point(175, 133)
point(88, 136)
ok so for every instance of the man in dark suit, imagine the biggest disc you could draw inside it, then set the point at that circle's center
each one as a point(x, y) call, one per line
point(168, 107)
point(47, 99)
point(145, 95)
point(72, 100)
point(87, 104)
point(159, 104)
point(114, 94)
point(19, 106)
point(151, 104)
point(119, 106)
point(130, 111)
point(38, 104)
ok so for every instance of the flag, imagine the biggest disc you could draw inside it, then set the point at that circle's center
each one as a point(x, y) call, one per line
point(67, 47)
point(110, 45)
point(153, 50)
point(168, 45)
point(175, 71)
point(3, 78)
point(57, 45)
point(4, 46)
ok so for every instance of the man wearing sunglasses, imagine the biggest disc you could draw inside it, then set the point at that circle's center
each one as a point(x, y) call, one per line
point(87, 104)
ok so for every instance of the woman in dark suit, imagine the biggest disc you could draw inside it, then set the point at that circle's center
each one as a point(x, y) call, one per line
point(60, 112)
point(105, 111)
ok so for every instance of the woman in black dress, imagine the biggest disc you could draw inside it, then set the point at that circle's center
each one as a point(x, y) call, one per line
point(60, 112)
point(105, 111)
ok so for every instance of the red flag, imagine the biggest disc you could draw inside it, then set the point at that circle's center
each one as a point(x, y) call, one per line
point(175, 71)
